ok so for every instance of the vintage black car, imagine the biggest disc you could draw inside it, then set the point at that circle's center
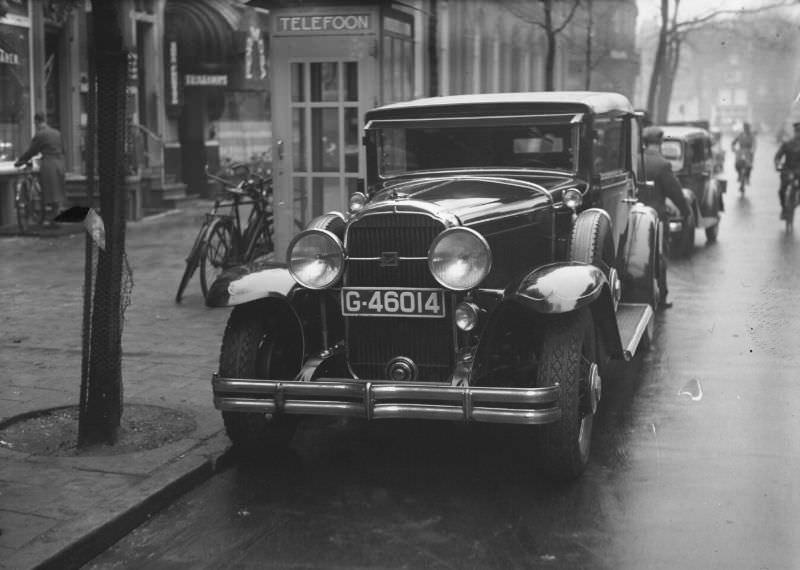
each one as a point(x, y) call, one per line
point(690, 151)
point(496, 262)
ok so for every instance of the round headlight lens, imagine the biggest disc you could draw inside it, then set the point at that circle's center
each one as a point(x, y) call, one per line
point(357, 201)
point(572, 198)
point(459, 258)
point(316, 258)
point(467, 316)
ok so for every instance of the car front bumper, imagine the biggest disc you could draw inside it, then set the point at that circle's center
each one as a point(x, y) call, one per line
point(385, 399)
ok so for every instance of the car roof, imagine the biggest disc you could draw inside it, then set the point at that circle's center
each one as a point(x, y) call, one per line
point(681, 131)
point(596, 101)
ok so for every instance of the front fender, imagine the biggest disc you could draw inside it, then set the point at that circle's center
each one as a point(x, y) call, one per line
point(560, 287)
point(251, 282)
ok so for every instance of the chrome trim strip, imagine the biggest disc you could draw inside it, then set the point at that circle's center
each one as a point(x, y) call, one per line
point(569, 118)
point(643, 325)
point(378, 259)
point(383, 399)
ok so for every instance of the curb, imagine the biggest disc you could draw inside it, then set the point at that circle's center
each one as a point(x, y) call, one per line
point(76, 542)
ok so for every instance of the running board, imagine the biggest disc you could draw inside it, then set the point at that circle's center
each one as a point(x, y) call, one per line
point(634, 321)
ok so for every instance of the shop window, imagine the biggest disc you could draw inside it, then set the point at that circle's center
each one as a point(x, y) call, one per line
point(15, 90)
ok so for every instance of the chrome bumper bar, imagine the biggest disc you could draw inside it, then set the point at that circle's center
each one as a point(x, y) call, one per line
point(383, 400)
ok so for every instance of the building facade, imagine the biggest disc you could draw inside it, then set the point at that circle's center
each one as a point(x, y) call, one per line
point(286, 82)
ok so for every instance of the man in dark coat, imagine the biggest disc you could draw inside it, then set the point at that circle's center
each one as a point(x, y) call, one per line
point(665, 185)
point(47, 141)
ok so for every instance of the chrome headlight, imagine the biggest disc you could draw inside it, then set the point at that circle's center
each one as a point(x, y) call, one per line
point(316, 258)
point(459, 258)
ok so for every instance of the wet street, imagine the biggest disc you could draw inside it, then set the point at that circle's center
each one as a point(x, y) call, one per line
point(694, 462)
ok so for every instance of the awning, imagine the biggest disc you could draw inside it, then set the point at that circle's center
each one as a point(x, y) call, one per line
point(204, 32)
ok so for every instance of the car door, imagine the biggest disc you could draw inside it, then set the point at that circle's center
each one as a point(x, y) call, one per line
point(613, 173)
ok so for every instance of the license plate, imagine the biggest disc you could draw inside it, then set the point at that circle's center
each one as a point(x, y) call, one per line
point(392, 302)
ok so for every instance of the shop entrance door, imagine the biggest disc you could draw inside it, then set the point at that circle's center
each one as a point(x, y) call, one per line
point(319, 101)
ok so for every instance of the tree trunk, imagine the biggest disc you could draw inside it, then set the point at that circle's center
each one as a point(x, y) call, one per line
point(101, 412)
point(550, 58)
point(671, 69)
point(658, 62)
point(589, 30)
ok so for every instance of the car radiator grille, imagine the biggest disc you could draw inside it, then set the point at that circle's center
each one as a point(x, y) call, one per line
point(374, 341)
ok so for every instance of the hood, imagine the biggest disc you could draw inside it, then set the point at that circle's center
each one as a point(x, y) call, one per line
point(469, 198)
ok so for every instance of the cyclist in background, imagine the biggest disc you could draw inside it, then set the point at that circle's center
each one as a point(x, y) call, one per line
point(744, 148)
point(47, 141)
point(787, 160)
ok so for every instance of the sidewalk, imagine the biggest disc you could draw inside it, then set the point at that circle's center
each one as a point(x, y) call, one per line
point(60, 511)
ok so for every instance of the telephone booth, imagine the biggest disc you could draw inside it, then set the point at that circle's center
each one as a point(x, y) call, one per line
point(330, 64)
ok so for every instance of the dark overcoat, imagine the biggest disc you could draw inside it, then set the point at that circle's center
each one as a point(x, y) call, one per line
point(47, 141)
point(666, 184)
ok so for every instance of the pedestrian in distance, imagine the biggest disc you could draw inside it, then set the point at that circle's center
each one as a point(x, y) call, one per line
point(48, 142)
point(787, 160)
point(665, 185)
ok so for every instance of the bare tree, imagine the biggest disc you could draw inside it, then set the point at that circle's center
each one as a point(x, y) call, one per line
point(672, 34)
point(552, 16)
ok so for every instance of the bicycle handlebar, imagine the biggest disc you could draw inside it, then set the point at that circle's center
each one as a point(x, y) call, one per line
point(246, 188)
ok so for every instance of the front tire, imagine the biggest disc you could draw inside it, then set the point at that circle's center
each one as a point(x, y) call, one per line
point(567, 358)
point(254, 346)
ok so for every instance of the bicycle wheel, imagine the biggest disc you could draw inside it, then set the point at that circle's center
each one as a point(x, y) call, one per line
point(22, 203)
point(258, 236)
point(217, 254)
point(37, 202)
point(192, 261)
point(791, 205)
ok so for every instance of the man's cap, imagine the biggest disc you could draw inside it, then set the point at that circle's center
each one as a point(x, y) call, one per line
point(39, 117)
point(652, 134)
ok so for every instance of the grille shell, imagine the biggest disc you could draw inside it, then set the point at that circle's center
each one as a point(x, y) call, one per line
point(372, 342)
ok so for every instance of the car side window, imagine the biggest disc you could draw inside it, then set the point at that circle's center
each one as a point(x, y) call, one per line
point(636, 148)
point(608, 150)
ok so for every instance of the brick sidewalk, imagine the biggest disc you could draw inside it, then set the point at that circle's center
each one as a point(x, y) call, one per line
point(53, 511)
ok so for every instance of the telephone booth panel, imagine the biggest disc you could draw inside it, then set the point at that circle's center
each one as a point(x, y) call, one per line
point(325, 77)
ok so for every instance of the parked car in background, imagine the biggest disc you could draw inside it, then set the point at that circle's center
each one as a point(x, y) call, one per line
point(496, 262)
point(690, 151)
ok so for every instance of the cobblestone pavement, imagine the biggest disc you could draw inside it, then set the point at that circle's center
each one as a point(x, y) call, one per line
point(48, 505)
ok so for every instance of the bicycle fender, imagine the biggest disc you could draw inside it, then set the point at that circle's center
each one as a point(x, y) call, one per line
point(236, 288)
point(560, 287)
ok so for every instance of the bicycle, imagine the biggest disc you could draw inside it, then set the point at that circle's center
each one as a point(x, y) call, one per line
point(28, 199)
point(792, 198)
point(744, 165)
point(223, 241)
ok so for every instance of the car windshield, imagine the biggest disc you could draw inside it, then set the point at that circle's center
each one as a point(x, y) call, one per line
point(673, 152)
point(404, 149)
